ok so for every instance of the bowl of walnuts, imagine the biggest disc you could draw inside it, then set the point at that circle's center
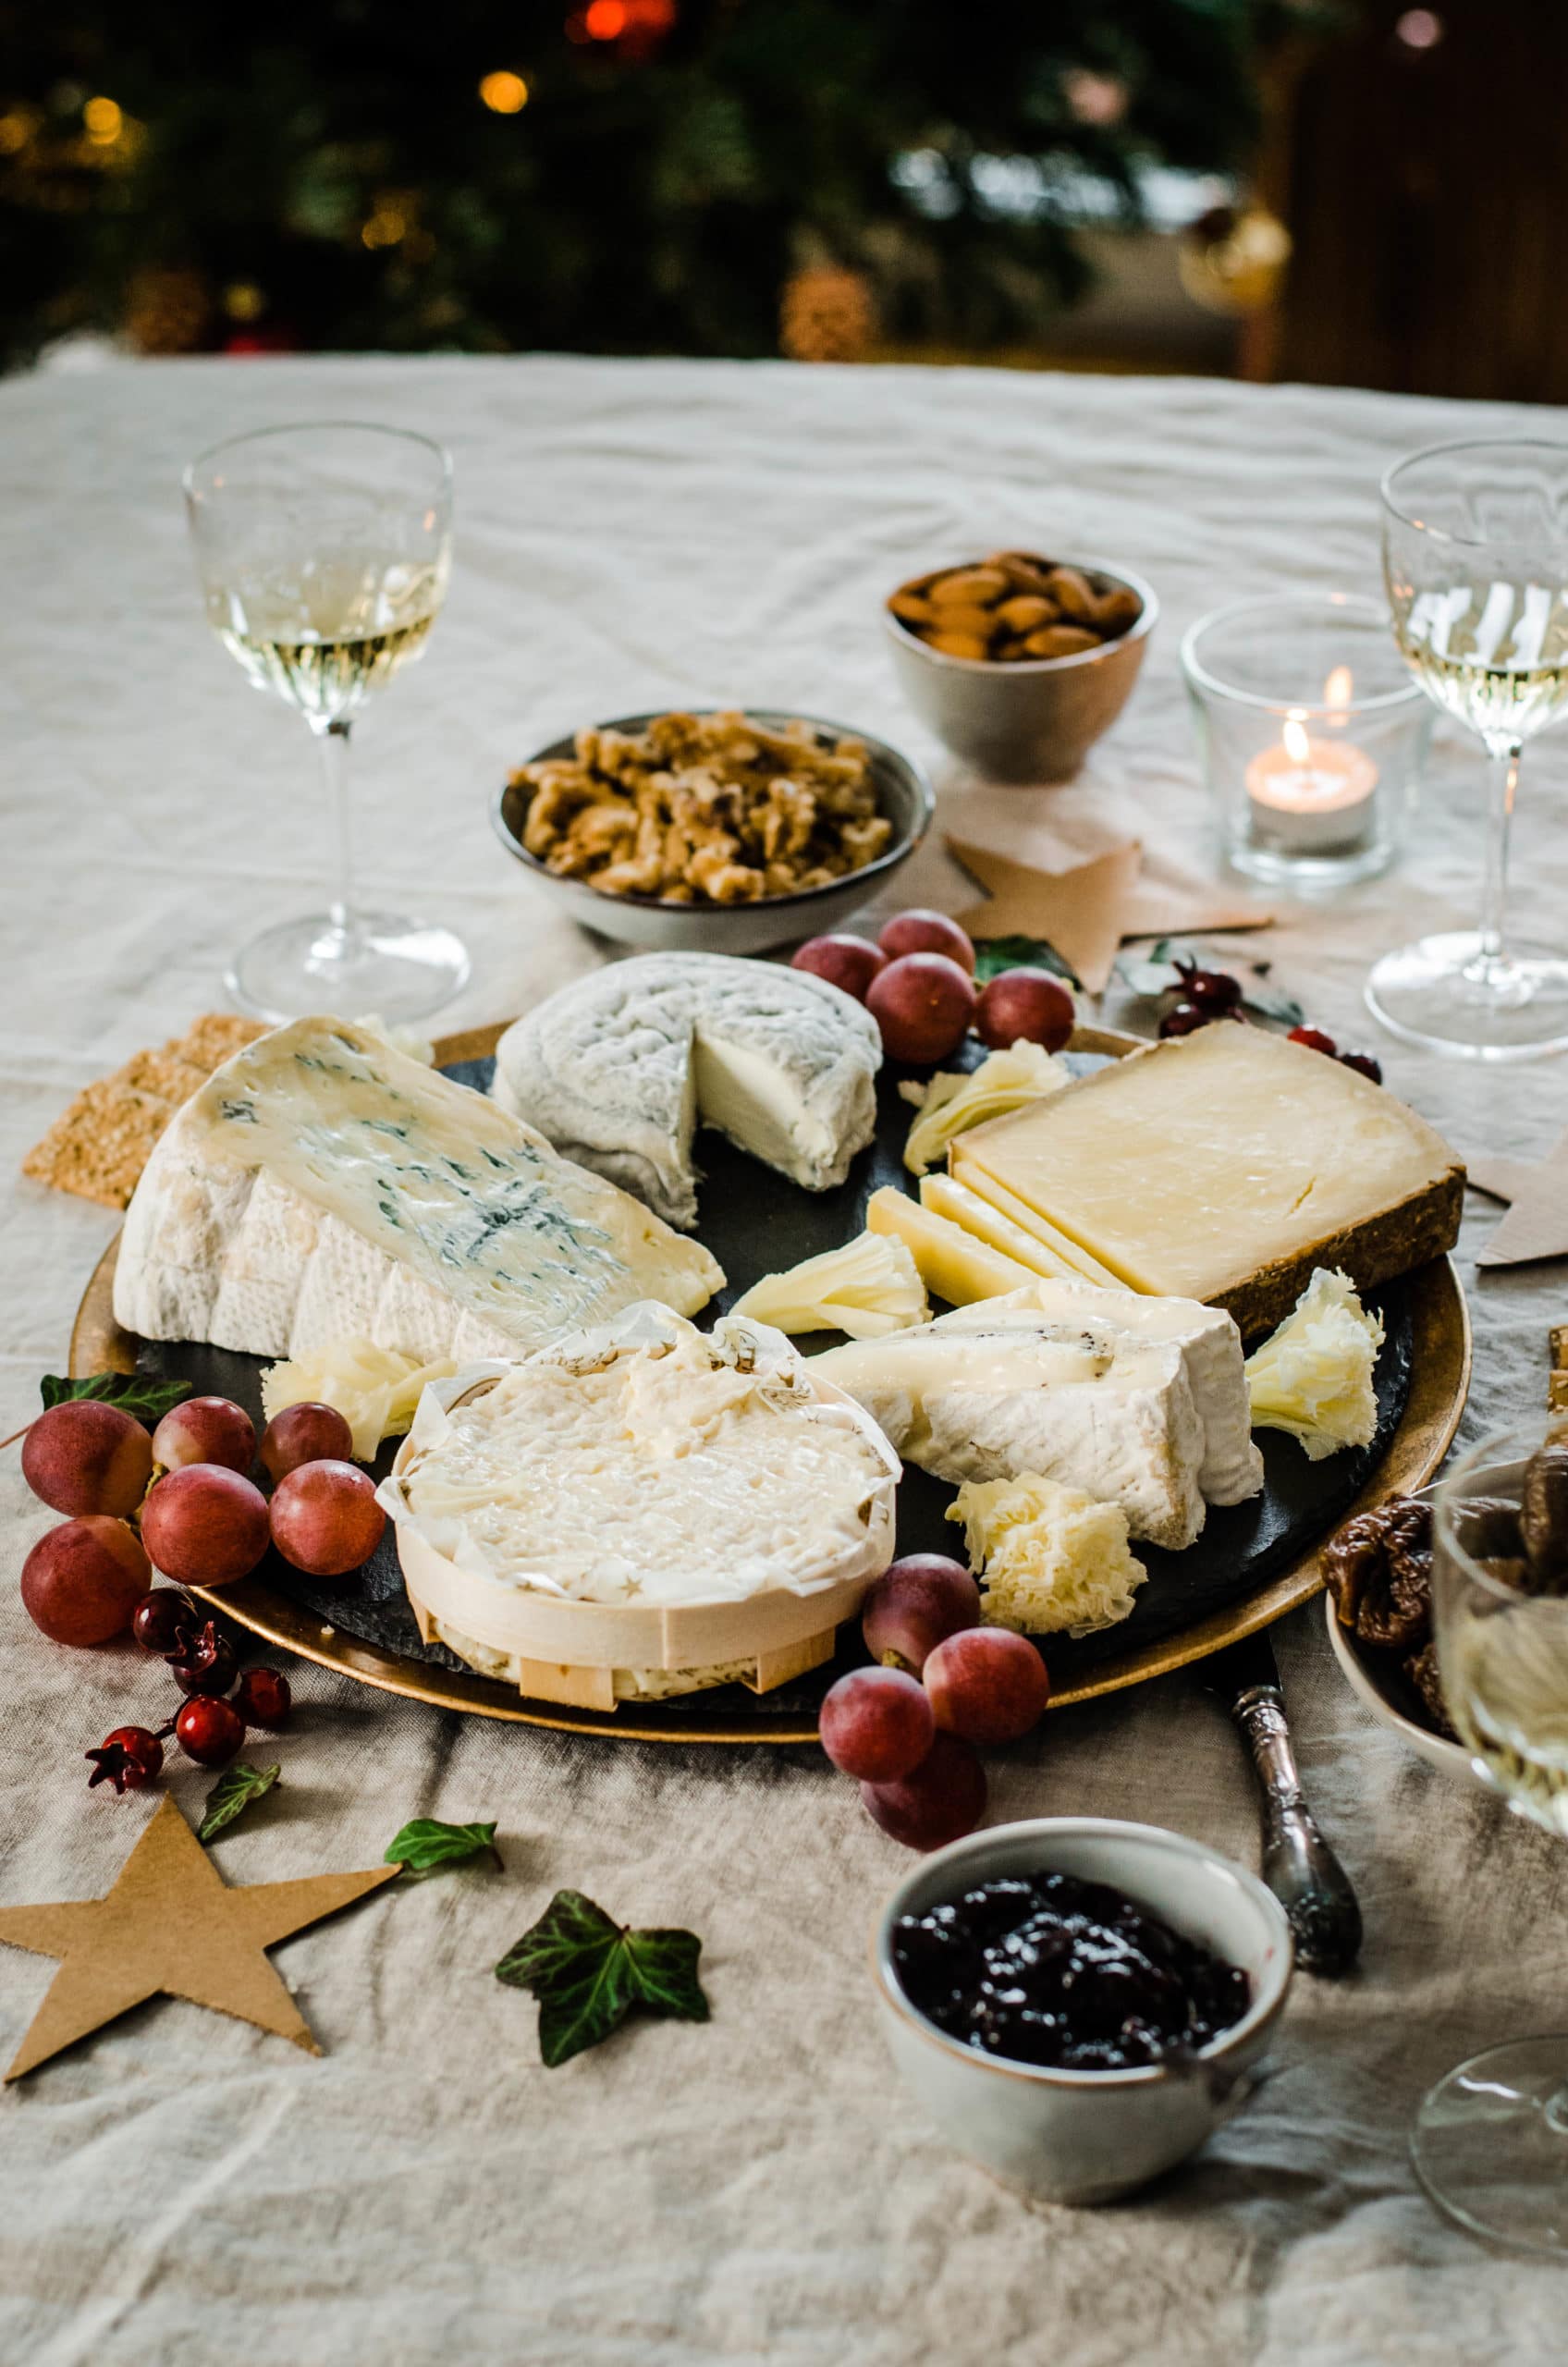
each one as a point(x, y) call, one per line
point(1018, 662)
point(712, 830)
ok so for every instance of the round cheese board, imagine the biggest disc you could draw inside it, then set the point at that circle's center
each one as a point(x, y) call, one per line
point(1253, 1561)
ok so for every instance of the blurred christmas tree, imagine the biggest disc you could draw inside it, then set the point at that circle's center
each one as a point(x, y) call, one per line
point(631, 176)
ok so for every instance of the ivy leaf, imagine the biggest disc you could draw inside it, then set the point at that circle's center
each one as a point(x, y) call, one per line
point(232, 1795)
point(145, 1398)
point(995, 953)
point(589, 1973)
point(1154, 973)
point(427, 1844)
point(1270, 1003)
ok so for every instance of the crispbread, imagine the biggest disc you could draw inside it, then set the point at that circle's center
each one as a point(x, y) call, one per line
point(100, 1143)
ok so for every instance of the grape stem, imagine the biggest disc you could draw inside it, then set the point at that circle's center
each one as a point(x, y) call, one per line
point(16, 1434)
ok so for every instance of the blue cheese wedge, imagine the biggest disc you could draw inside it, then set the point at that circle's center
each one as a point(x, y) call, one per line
point(620, 1068)
point(1137, 1403)
point(321, 1185)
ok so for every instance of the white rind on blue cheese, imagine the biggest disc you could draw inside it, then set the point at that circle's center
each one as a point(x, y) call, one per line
point(621, 1067)
point(321, 1183)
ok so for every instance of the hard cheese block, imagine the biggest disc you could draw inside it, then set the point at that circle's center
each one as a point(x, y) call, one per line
point(1225, 1166)
point(321, 1183)
point(953, 1264)
point(1144, 1406)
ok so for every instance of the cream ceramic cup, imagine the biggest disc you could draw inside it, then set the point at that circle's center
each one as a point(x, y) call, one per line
point(1086, 2137)
point(1033, 721)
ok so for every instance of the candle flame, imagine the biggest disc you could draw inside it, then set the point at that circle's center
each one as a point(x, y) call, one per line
point(1298, 747)
point(1339, 688)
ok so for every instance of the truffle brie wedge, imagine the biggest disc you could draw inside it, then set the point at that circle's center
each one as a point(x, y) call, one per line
point(642, 1508)
point(321, 1184)
point(620, 1068)
point(1141, 1404)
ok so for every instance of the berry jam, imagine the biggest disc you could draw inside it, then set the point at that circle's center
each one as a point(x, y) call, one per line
point(1056, 1971)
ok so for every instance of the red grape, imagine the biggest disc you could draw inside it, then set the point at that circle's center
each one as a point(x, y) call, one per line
point(988, 1684)
point(916, 1603)
point(205, 1429)
point(82, 1581)
point(1028, 1004)
point(305, 1433)
point(1315, 1040)
point(84, 1456)
point(942, 1800)
point(205, 1525)
point(1366, 1064)
point(845, 962)
point(165, 1619)
point(208, 1730)
point(326, 1518)
point(877, 1724)
point(923, 931)
point(922, 1003)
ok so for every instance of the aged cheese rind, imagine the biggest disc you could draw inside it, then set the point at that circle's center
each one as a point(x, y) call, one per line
point(1225, 1166)
point(321, 1183)
point(619, 1068)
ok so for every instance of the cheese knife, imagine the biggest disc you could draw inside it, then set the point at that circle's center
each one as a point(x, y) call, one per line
point(1298, 1865)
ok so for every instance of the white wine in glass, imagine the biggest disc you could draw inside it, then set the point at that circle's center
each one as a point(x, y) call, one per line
point(1476, 558)
point(323, 553)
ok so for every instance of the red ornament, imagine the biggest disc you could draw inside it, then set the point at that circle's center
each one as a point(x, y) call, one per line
point(209, 1731)
point(129, 1759)
point(262, 1698)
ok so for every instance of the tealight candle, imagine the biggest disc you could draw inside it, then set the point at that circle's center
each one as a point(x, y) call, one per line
point(1310, 796)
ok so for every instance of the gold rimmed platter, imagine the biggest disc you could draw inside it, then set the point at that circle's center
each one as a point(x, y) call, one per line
point(1430, 1342)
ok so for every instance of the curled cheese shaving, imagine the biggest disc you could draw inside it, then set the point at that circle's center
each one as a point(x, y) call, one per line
point(375, 1389)
point(1313, 1378)
point(869, 1287)
point(951, 1104)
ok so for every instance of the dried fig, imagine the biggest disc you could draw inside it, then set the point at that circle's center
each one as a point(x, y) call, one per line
point(1378, 1569)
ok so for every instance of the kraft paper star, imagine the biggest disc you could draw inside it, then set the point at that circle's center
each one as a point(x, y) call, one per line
point(1537, 1223)
point(172, 1927)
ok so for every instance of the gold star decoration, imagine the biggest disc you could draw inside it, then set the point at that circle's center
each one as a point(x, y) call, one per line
point(172, 1927)
point(1536, 1223)
point(1085, 911)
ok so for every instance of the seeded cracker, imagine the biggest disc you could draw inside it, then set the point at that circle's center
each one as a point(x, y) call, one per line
point(98, 1146)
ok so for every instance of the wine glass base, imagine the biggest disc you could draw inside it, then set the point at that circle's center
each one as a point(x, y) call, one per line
point(1443, 993)
point(380, 966)
point(1490, 2144)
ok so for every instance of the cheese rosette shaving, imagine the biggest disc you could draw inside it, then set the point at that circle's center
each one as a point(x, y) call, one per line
point(647, 1461)
point(1049, 1557)
point(1313, 1378)
point(951, 1104)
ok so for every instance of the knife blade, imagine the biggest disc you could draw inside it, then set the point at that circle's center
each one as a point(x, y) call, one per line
point(1298, 1865)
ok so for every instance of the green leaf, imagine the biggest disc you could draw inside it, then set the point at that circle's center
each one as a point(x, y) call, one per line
point(1270, 1003)
point(141, 1395)
point(589, 1973)
point(232, 1795)
point(1154, 973)
point(427, 1844)
point(995, 953)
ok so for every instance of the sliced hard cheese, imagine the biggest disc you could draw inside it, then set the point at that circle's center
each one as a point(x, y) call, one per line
point(953, 1265)
point(1225, 1166)
point(961, 1207)
point(321, 1184)
point(1068, 1253)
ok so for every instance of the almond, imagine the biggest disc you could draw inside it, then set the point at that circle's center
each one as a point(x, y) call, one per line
point(968, 587)
point(959, 644)
point(1074, 594)
point(1061, 640)
point(1025, 612)
point(910, 609)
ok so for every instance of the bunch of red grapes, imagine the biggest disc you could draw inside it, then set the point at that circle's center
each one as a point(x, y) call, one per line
point(182, 1502)
point(917, 981)
point(907, 1728)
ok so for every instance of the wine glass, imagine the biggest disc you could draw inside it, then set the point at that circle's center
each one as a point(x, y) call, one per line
point(1475, 559)
point(1491, 2141)
point(323, 552)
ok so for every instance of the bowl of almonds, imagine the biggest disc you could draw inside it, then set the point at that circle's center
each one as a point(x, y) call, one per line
point(1019, 662)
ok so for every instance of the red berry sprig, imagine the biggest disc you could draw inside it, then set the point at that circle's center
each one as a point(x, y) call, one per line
point(208, 1727)
point(129, 1758)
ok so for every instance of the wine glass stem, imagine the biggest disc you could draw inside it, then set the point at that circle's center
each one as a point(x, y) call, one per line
point(1502, 791)
point(333, 740)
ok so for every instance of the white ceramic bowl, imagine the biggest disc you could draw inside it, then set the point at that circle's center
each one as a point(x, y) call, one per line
point(1450, 1758)
point(1035, 720)
point(1088, 2136)
point(903, 795)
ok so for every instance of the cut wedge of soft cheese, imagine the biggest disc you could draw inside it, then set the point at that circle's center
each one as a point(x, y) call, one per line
point(1225, 1166)
point(1070, 1256)
point(951, 1104)
point(1142, 1403)
point(870, 1286)
point(321, 1185)
point(620, 1068)
point(953, 1264)
point(641, 1504)
point(957, 1205)
point(1049, 1557)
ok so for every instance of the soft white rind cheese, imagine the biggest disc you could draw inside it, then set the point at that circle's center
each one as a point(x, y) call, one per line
point(619, 1069)
point(1058, 1379)
point(321, 1183)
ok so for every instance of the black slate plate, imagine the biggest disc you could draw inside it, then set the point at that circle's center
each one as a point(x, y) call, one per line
point(755, 1223)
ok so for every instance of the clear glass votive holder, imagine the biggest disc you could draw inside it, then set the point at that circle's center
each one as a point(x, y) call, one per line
point(1313, 734)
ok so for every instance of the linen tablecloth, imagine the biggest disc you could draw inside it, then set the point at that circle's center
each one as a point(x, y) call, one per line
point(183, 2190)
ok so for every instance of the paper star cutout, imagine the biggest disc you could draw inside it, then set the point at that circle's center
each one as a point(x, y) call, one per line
point(1087, 911)
point(172, 1927)
point(1536, 1224)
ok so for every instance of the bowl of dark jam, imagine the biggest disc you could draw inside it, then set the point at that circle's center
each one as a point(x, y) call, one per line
point(1080, 2003)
